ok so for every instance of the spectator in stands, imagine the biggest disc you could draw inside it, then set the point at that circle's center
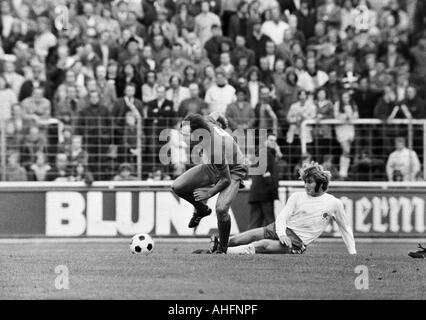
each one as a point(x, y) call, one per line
point(160, 115)
point(163, 77)
point(190, 76)
point(265, 114)
point(306, 18)
point(265, 74)
point(130, 138)
point(123, 105)
point(302, 109)
point(40, 167)
point(213, 45)
point(272, 55)
point(14, 171)
point(193, 104)
point(204, 22)
point(365, 99)
point(386, 104)
point(95, 126)
point(77, 154)
point(254, 85)
point(37, 106)
point(413, 106)
point(367, 168)
point(221, 94)
point(403, 161)
point(275, 26)
point(325, 110)
point(183, 20)
point(36, 78)
point(329, 13)
point(127, 76)
point(7, 99)
point(125, 173)
point(286, 90)
point(44, 39)
point(19, 121)
point(311, 78)
point(61, 171)
point(13, 78)
point(257, 39)
point(32, 143)
point(105, 48)
point(176, 92)
point(149, 88)
point(346, 111)
point(106, 88)
point(240, 114)
point(68, 107)
point(418, 56)
point(349, 77)
point(80, 173)
point(401, 85)
point(239, 22)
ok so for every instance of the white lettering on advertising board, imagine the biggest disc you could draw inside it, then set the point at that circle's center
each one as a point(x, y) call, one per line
point(158, 213)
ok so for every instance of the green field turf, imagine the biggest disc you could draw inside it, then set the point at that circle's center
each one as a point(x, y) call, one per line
point(110, 271)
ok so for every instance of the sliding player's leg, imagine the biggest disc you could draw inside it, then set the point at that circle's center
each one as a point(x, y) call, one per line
point(223, 204)
point(192, 179)
point(265, 246)
point(247, 237)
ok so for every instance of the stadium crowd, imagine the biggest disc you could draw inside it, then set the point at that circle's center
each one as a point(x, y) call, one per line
point(100, 68)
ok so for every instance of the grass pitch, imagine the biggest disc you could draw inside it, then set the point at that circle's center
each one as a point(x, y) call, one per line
point(105, 270)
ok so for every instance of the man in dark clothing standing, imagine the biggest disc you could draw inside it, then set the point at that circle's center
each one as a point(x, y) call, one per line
point(160, 115)
point(256, 41)
point(365, 99)
point(118, 113)
point(94, 124)
point(264, 189)
point(213, 45)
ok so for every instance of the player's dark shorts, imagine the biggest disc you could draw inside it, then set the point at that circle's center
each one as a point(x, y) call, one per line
point(297, 244)
point(238, 172)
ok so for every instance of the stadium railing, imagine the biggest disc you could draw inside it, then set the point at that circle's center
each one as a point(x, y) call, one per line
point(108, 144)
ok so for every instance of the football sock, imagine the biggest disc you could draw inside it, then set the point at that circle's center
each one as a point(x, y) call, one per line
point(244, 249)
point(224, 227)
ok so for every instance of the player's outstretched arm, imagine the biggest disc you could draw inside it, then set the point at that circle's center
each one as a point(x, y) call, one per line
point(222, 184)
point(281, 220)
point(345, 228)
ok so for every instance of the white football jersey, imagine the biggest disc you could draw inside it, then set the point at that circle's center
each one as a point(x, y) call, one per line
point(309, 216)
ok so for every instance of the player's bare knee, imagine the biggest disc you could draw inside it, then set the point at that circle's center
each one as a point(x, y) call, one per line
point(177, 188)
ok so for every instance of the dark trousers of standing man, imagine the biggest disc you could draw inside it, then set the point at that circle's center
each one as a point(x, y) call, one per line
point(261, 214)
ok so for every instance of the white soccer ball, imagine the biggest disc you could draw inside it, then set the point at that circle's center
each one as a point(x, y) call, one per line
point(142, 243)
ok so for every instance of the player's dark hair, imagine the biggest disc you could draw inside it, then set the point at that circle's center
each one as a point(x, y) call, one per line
point(196, 121)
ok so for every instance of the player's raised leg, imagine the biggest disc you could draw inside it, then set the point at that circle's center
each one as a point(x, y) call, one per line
point(190, 180)
point(223, 204)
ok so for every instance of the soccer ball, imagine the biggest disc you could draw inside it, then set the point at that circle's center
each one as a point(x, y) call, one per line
point(142, 243)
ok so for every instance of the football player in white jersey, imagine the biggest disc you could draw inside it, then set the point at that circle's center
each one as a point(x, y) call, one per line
point(303, 219)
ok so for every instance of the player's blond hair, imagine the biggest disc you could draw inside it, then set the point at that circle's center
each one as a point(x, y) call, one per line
point(317, 172)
